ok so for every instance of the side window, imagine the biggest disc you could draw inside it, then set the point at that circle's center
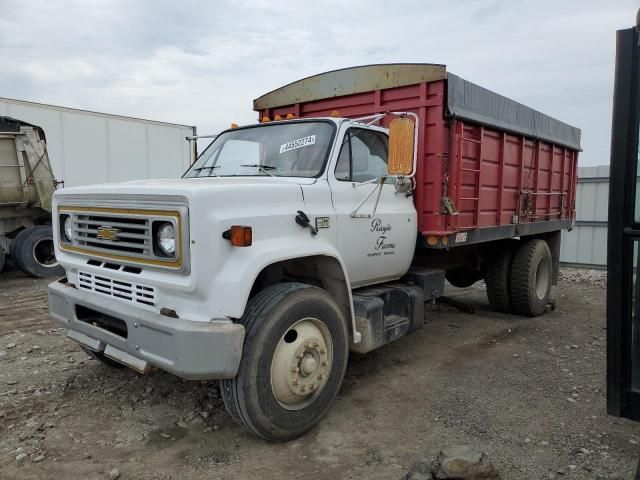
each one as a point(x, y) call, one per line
point(363, 156)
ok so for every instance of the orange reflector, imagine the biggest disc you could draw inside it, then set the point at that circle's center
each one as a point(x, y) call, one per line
point(335, 113)
point(266, 119)
point(445, 240)
point(290, 116)
point(277, 117)
point(234, 125)
point(432, 240)
point(241, 236)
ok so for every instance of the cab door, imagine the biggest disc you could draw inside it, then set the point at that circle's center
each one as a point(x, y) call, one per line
point(376, 232)
point(623, 256)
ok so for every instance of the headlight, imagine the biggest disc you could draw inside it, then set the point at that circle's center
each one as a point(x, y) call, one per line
point(68, 228)
point(166, 239)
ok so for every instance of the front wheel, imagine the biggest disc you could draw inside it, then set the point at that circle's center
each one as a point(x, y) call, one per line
point(293, 361)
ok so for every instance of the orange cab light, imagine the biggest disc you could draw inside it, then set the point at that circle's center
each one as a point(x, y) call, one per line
point(266, 119)
point(277, 117)
point(335, 113)
point(240, 236)
point(234, 125)
point(290, 116)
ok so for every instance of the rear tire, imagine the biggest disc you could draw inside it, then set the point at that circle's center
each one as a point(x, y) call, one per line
point(497, 279)
point(2, 258)
point(531, 273)
point(102, 358)
point(293, 361)
point(33, 253)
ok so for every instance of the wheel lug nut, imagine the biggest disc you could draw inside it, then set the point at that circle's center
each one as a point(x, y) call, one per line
point(295, 382)
point(312, 386)
point(294, 369)
point(300, 355)
point(316, 344)
point(303, 388)
point(324, 364)
point(320, 376)
point(322, 351)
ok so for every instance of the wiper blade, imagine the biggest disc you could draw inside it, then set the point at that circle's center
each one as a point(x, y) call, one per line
point(265, 167)
point(210, 168)
point(262, 168)
point(206, 168)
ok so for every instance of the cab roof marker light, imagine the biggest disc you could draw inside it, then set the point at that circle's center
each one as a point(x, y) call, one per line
point(335, 113)
point(277, 118)
point(290, 116)
point(265, 119)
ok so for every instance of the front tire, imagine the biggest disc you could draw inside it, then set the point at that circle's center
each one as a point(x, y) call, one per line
point(293, 361)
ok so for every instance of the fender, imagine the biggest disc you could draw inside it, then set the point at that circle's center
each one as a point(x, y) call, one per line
point(234, 281)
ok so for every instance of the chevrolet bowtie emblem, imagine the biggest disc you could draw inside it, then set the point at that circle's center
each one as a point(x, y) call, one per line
point(107, 233)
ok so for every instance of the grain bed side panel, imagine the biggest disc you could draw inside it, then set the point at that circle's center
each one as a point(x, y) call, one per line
point(493, 177)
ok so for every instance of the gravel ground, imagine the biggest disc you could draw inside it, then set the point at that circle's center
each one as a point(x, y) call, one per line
point(529, 392)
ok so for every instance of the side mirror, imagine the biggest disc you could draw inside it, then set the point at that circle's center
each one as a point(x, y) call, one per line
point(401, 145)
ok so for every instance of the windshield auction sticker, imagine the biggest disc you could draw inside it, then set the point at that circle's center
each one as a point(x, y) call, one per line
point(299, 143)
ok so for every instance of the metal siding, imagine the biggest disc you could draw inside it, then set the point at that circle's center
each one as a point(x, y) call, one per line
point(128, 150)
point(85, 148)
point(586, 244)
point(90, 147)
point(163, 142)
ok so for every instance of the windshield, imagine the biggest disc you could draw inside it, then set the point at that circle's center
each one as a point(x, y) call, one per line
point(296, 149)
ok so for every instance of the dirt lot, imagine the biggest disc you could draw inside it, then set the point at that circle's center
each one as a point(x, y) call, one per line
point(529, 392)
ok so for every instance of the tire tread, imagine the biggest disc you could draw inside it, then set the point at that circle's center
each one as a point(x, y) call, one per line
point(497, 280)
point(521, 300)
point(256, 308)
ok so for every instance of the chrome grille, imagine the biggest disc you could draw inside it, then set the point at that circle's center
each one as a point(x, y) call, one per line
point(132, 235)
point(127, 291)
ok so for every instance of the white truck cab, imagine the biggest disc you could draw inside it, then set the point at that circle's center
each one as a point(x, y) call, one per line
point(246, 269)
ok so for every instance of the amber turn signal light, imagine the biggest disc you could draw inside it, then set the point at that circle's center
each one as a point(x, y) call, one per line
point(239, 235)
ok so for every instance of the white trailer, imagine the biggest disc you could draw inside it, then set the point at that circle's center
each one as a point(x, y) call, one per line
point(89, 147)
point(81, 148)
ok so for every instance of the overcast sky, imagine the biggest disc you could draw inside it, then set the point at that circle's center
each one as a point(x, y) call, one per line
point(202, 63)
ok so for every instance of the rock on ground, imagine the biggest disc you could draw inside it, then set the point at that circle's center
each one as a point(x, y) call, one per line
point(459, 462)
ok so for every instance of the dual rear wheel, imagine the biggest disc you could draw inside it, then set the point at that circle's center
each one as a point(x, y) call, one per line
point(32, 252)
point(519, 280)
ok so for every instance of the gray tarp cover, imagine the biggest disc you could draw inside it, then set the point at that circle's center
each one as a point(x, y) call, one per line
point(469, 101)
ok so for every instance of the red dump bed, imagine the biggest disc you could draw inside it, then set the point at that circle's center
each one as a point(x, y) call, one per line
point(486, 165)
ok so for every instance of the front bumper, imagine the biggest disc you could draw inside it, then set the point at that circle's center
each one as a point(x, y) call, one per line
point(188, 349)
